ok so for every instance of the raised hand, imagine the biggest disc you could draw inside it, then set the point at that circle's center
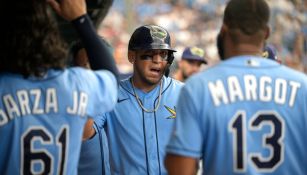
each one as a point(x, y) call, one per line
point(68, 9)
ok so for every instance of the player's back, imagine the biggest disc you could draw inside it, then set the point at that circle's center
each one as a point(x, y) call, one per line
point(42, 120)
point(253, 117)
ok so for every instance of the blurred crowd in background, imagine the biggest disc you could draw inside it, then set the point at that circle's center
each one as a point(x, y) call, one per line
point(196, 23)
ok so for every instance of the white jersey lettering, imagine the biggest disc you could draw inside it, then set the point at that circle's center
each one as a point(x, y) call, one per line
point(264, 89)
point(80, 101)
point(51, 101)
point(73, 109)
point(218, 92)
point(3, 118)
point(23, 99)
point(235, 91)
point(37, 96)
point(11, 106)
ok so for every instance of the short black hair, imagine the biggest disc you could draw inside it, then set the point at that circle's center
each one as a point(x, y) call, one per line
point(249, 16)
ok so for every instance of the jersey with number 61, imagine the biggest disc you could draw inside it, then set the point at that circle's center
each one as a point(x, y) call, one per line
point(246, 115)
point(42, 120)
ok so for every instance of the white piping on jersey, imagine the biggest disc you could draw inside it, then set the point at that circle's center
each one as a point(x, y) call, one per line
point(140, 103)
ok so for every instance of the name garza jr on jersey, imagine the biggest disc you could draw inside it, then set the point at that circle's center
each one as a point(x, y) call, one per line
point(44, 102)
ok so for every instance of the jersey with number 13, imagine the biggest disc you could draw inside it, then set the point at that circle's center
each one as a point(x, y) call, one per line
point(247, 115)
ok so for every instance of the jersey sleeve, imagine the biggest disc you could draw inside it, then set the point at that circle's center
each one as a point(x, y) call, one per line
point(99, 122)
point(186, 139)
point(102, 89)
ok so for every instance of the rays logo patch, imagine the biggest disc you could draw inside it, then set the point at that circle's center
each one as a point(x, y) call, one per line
point(158, 32)
point(197, 51)
point(265, 54)
point(171, 111)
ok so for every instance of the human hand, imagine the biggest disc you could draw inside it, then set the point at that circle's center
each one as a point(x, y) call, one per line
point(68, 9)
point(88, 131)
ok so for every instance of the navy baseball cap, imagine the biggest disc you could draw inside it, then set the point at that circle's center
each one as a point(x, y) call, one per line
point(269, 52)
point(194, 53)
point(149, 37)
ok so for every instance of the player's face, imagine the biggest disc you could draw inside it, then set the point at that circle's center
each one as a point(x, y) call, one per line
point(150, 65)
point(190, 67)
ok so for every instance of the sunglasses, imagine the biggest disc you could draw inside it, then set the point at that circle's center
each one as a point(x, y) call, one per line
point(150, 55)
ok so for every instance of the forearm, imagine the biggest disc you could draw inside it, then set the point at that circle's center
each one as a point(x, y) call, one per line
point(179, 165)
point(89, 130)
point(98, 52)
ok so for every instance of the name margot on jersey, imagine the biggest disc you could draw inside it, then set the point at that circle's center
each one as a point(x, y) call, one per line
point(22, 105)
point(264, 89)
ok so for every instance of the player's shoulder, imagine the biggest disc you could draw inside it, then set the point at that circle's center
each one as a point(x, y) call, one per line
point(171, 87)
point(125, 88)
point(6, 75)
point(293, 74)
point(89, 78)
point(125, 83)
point(173, 82)
point(206, 74)
point(89, 74)
point(83, 71)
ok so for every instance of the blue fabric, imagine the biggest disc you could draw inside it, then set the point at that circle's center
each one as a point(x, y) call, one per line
point(137, 140)
point(244, 115)
point(94, 156)
point(42, 120)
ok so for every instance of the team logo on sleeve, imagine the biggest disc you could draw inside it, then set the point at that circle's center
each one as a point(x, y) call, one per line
point(171, 111)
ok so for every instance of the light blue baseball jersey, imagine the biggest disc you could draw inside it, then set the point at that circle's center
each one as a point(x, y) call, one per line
point(246, 115)
point(94, 156)
point(42, 120)
point(137, 139)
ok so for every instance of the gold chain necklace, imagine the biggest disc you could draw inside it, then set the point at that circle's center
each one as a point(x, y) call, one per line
point(139, 101)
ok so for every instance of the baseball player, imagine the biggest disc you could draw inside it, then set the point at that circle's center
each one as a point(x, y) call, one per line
point(139, 127)
point(94, 155)
point(245, 115)
point(191, 60)
point(269, 51)
point(43, 106)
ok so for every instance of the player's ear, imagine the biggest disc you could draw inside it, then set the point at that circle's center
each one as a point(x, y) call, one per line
point(223, 30)
point(180, 63)
point(267, 32)
point(131, 56)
